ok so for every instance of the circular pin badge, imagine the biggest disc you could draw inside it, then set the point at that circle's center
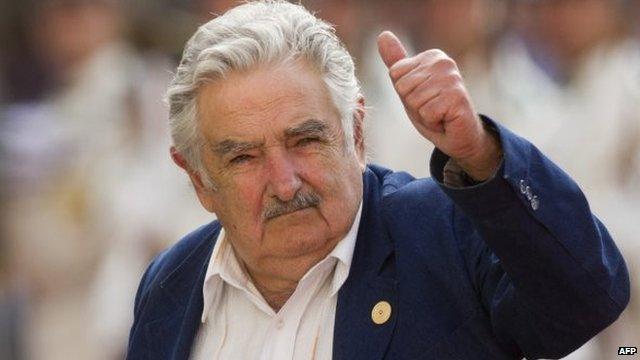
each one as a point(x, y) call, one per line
point(381, 312)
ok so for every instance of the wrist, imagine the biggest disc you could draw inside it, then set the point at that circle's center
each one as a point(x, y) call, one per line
point(485, 161)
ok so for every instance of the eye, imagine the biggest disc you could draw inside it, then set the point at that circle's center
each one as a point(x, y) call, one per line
point(240, 159)
point(307, 141)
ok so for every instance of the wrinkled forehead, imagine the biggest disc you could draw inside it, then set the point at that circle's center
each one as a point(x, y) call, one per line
point(269, 97)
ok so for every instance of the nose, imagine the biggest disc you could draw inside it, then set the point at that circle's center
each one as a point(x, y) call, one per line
point(284, 181)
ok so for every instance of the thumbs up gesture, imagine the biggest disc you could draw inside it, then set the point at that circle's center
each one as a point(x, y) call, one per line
point(439, 106)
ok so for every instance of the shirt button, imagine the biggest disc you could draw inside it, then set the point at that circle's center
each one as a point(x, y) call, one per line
point(279, 324)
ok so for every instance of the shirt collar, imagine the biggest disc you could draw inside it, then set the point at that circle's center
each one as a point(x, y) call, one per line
point(225, 267)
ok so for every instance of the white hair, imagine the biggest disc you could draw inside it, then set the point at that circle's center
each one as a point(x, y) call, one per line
point(253, 34)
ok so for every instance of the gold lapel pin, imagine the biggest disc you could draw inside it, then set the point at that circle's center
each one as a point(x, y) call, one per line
point(381, 312)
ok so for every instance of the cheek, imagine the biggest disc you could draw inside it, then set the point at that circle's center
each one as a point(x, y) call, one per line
point(319, 171)
point(337, 179)
point(242, 200)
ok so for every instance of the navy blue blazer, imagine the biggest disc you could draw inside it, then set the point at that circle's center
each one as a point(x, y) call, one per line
point(516, 266)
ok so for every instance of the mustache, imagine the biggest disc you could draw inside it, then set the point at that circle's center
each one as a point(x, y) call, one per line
point(301, 200)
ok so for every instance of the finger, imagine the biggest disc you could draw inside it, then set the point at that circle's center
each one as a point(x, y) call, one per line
point(434, 112)
point(438, 111)
point(424, 92)
point(428, 130)
point(403, 67)
point(390, 48)
point(409, 82)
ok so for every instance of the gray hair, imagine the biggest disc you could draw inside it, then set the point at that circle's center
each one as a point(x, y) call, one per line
point(252, 34)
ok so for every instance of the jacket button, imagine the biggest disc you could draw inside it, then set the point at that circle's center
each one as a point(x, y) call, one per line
point(381, 312)
point(529, 193)
point(523, 186)
point(535, 203)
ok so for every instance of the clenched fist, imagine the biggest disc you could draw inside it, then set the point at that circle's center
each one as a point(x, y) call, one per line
point(438, 104)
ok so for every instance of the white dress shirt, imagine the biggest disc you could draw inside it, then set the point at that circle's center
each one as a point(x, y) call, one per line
point(237, 323)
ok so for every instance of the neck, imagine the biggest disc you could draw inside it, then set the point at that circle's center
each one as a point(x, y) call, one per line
point(276, 293)
point(277, 280)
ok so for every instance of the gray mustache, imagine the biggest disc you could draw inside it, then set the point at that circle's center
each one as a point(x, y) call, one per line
point(301, 201)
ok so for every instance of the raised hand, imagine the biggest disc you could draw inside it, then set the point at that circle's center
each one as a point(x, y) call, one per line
point(439, 106)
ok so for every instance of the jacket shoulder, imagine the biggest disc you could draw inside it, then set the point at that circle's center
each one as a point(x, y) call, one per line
point(403, 188)
point(170, 259)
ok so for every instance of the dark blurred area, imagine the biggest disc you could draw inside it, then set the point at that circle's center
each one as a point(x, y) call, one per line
point(88, 194)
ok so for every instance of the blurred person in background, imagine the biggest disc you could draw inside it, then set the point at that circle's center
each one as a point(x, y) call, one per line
point(570, 80)
point(205, 9)
point(81, 220)
point(11, 310)
point(5, 30)
point(469, 30)
point(573, 62)
point(345, 15)
point(634, 15)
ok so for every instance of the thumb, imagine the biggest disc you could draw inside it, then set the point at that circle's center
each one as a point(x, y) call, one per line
point(390, 48)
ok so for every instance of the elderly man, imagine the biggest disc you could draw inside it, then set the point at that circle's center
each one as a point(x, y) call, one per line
point(316, 254)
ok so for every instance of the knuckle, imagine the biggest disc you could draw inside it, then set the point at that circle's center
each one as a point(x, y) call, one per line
point(437, 53)
point(453, 81)
point(412, 101)
point(458, 100)
point(456, 77)
point(445, 62)
point(451, 95)
point(400, 88)
point(423, 112)
point(397, 70)
point(459, 91)
point(426, 111)
point(393, 73)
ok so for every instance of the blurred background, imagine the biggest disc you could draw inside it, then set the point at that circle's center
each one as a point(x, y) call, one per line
point(88, 193)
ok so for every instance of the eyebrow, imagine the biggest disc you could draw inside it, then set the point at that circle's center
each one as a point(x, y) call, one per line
point(231, 146)
point(308, 127)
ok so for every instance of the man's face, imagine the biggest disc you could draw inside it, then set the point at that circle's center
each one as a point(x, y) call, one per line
point(287, 188)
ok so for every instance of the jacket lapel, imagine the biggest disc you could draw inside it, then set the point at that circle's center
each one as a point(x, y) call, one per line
point(172, 334)
point(371, 280)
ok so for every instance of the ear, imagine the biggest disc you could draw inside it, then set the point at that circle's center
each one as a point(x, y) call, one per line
point(205, 195)
point(358, 132)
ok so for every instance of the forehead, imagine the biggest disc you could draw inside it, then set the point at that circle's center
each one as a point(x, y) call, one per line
point(268, 98)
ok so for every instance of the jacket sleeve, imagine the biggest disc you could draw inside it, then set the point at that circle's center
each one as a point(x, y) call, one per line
point(544, 267)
